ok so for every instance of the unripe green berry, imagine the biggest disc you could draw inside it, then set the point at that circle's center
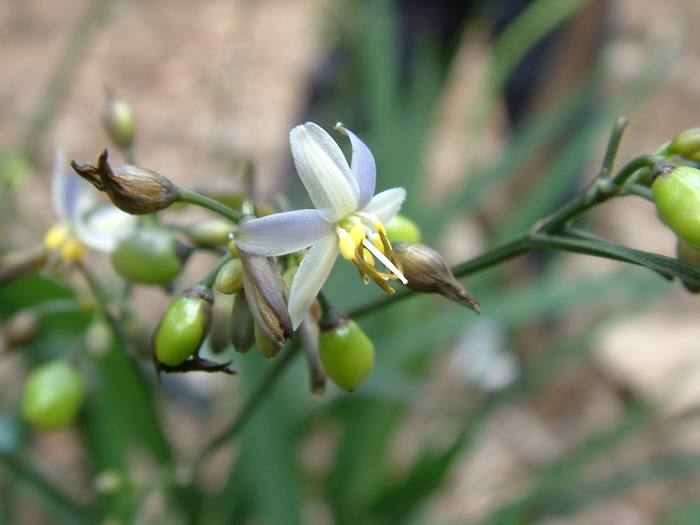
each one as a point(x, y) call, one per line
point(53, 395)
point(347, 354)
point(229, 280)
point(149, 256)
point(401, 228)
point(184, 326)
point(210, 233)
point(687, 143)
point(676, 191)
point(119, 120)
point(266, 346)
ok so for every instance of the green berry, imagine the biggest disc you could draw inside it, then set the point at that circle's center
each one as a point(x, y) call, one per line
point(53, 395)
point(184, 326)
point(347, 354)
point(401, 228)
point(687, 143)
point(229, 280)
point(149, 256)
point(676, 191)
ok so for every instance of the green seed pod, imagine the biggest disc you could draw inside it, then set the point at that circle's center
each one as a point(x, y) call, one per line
point(676, 191)
point(150, 256)
point(209, 233)
point(690, 255)
point(53, 395)
point(229, 280)
point(401, 228)
point(347, 354)
point(687, 143)
point(184, 326)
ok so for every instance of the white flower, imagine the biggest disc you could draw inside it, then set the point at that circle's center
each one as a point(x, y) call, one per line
point(83, 222)
point(347, 218)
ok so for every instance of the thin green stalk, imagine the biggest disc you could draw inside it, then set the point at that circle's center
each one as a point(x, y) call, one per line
point(250, 405)
point(210, 277)
point(198, 199)
point(62, 508)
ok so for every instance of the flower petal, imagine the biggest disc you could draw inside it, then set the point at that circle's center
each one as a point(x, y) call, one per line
point(281, 233)
point(311, 274)
point(386, 204)
point(324, 171)
point(362, 166)
point(102, 227)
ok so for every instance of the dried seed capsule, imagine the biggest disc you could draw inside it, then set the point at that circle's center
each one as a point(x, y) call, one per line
point(401, 228)
point(150, 256)
point(132, 189)
point(676, 191)
point(53, 395)
point(426, 271)
point(184, 326)
point(346, 353)
point(229, 280)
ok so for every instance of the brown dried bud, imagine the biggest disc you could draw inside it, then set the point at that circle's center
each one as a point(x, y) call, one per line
point(264, 290)
point(426, 271)
point(131, 189)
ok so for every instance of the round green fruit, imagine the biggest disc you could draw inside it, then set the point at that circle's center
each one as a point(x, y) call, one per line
point(182, 329)
point(53, 395)
point(676, 191)
point(401, 228)
point(149, 256)
point(347, 354)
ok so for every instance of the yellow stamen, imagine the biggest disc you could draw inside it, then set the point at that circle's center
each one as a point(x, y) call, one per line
point(346, 244)
point(57, 235)
point(72, 250)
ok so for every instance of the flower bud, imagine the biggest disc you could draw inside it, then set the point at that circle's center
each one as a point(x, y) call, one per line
point(265, 292)
point(118, 119)
point(687, 144)
point(53, 395)
point(209, 233)
point(426, 271)
point(687, 253)
point(131, 189)
point(242, 324)
point(267, 347)
point(402, 229)
point(149, 256)
point(229, 280)
point(676, 191)
point(184, 326)
point(346, 353)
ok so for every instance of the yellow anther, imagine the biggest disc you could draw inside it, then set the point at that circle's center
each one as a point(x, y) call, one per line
point(346, 245)
point(358, 233)
point(72, 250)
point(56, 236)
point(378, 226)
point(377, 241)
point(367, 257)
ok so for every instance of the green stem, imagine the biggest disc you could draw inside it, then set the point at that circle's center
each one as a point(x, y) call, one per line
point(260, 392)
point(198, 199)
point(62, 508)
point(613, 146)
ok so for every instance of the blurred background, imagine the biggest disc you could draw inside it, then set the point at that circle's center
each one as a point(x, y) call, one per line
point(573, 398)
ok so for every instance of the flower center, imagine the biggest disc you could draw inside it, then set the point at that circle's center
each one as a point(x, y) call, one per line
point(61, 240)
point(361, 238)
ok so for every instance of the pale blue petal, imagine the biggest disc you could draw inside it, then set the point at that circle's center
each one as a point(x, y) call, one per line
point(311, 274)
point(104, 226)
point(324, 171)
point(362, 166)
point(386, 204)
point(282, 233)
